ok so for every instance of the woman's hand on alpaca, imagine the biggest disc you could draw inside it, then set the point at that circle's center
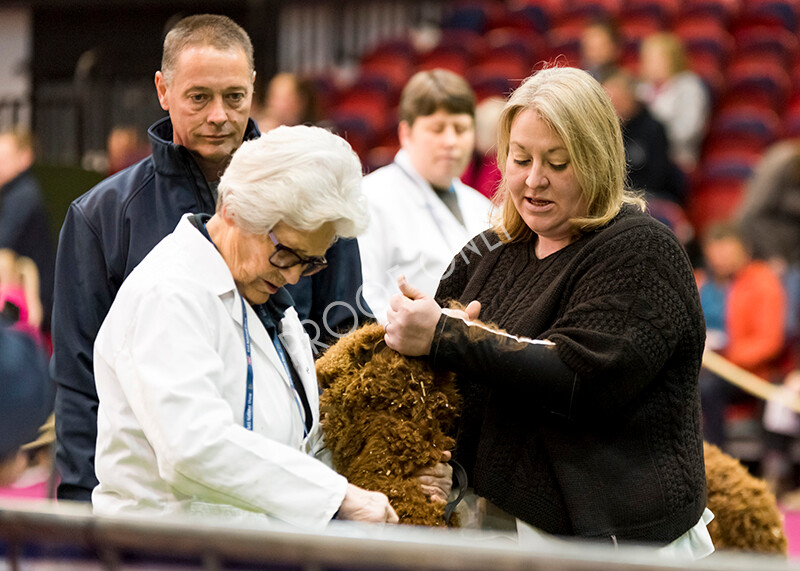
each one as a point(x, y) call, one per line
point(412, 319)
point(363, 505)
point(437, 481)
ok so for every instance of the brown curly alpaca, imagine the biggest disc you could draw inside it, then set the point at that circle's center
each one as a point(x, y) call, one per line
point(385, 416)
point(746, 515)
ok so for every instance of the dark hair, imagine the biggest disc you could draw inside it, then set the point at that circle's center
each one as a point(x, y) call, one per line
point(723, 230)
point(609, 26)
point(219, 32)
point(429, 91)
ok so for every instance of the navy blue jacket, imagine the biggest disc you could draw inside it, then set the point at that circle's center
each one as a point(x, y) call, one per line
point(106, 233)
point(25, 228)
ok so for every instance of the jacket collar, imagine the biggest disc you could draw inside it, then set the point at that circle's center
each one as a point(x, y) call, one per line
point(172, 159)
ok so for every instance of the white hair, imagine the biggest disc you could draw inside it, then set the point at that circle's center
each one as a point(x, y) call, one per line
point(302, 176)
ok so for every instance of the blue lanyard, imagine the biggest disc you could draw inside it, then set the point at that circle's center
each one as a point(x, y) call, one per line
point(248, 398)
point(248, 403)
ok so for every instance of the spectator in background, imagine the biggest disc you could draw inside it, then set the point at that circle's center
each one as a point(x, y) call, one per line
point(38, 479)
point(770, 211)
point(20, 304)
point(769, 217)
point(601, 48)
point(27, 400)
point(646, 147)
point(482, 173)
point(744, 307)
point(420, 213)
point(124, 147)
point(290, 100)
point(675, 95)
point(206, 85)
point(24, 222)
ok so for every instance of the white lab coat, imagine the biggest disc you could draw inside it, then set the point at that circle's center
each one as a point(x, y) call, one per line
point(171, 370)
point(412, 232)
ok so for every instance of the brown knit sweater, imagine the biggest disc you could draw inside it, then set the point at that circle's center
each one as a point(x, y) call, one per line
point(624, 456)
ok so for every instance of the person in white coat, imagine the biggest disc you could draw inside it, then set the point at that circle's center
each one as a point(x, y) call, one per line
point(421, 215)
point(208, 394)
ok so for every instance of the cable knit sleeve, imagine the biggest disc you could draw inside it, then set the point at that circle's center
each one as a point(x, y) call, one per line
point(632, 305)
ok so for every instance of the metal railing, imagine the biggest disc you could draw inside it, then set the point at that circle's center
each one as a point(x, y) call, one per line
point(67, 536)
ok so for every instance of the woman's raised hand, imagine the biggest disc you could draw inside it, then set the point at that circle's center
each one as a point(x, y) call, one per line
point(412, 319)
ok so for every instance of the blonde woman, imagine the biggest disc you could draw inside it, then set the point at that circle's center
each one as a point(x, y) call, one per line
point(675, 95)
point(582, 418)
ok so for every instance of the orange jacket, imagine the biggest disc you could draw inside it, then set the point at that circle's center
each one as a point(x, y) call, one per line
point(754, 319)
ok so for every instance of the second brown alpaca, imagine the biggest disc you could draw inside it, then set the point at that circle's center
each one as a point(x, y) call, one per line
point(386, 416)
point(746, 515)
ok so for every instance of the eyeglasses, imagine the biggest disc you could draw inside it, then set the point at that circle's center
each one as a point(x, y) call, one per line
point(284, 258)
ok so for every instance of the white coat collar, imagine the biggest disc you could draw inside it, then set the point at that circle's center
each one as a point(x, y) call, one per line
point(215, 273)
point(404, 162)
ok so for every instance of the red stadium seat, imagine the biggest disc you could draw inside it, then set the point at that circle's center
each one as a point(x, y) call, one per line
point(765, 41)
point(452, 61)
point(716, 201)
point(727, 159)
point(709, 68)
point(722, 11)
point(791, 119)
point(592, 8)
point(534, 15)
point(760, 73)
point(662, 10)
point(564, 40)
point(466, 42)
point(525, 44)
point(779, 13)
point(703, 35)
point(472, 16)
point(394, 69)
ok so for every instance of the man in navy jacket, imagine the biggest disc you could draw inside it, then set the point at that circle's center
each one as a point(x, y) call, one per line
point(206, 85)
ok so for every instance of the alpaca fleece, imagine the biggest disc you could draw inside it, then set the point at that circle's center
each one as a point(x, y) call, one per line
point(386, 416)
point(746, 515)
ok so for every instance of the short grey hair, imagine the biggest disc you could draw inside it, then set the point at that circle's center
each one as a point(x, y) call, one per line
point(217, 31)
point(303, 176)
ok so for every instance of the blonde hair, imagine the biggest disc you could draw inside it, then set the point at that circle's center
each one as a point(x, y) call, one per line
point(671, 46)
point(579, 111)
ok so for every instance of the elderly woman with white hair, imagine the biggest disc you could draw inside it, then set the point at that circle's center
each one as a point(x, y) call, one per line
point(208, 394)
point(582, 417)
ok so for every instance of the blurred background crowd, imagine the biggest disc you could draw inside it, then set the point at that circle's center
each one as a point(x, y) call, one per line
point(708, 92)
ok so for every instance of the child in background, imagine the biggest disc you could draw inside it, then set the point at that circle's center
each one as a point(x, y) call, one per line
point(38, 478)
point(744, 307)
point(20, 304)
point(27, 400)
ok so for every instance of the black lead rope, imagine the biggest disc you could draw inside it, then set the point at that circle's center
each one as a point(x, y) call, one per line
point(460, 476)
